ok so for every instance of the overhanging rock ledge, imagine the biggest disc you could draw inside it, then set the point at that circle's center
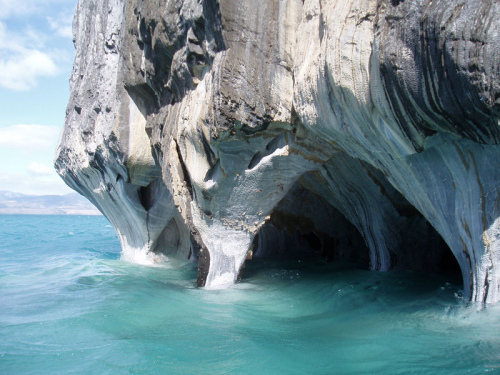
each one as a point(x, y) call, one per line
point(208, 128)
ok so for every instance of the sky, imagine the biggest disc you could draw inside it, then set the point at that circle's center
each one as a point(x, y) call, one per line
point(36, 58)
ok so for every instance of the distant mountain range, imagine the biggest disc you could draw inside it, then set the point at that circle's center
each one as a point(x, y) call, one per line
point(68, 204)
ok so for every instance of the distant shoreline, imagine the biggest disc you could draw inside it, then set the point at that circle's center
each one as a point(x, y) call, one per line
point(12, 203)
point(76, 213)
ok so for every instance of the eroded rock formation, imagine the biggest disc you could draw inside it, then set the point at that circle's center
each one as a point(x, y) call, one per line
point(366, 130)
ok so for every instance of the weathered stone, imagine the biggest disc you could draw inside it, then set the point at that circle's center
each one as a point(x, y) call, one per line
point(216, 119)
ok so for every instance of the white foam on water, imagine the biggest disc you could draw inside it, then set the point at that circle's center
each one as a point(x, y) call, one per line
point(144, 257)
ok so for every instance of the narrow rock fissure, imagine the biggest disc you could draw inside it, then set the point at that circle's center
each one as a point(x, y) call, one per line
point(185, 172)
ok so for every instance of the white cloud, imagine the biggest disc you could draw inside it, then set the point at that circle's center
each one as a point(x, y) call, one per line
point(29, 137)
point(26, 160)
point(23, 58)
point(15, 42)
point(11, 8)
point(26, 183)
point(20, 71)
point(62, 25)
point(30, 49)
point(40, 169)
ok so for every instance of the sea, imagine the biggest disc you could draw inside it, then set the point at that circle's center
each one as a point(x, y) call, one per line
point(70, 305)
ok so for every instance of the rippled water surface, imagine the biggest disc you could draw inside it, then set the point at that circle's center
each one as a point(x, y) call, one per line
point(69, 305)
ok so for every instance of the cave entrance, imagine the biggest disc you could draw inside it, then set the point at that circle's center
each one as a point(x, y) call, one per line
point(305, 226)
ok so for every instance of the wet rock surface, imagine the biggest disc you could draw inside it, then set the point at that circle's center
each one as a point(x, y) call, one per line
point(359, 130)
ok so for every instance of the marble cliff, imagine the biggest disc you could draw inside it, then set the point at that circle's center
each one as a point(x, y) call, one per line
point(365, 130)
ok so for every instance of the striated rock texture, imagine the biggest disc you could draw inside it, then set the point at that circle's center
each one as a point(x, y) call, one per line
point(365, 130)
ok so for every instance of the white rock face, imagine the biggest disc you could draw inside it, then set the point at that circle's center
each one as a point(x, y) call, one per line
point(362, 130)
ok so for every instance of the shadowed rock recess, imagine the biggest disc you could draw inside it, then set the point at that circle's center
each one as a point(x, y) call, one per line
point(361, 130)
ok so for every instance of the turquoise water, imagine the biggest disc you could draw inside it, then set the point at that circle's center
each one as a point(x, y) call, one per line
point(69, 305)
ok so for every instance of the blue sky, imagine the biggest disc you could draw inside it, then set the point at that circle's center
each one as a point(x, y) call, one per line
point(36, 57)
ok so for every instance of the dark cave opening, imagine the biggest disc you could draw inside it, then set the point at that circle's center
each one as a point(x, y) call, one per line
point(148, 195)
point(304, 226)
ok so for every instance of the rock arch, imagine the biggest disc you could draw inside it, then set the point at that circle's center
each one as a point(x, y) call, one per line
point(209, 112)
